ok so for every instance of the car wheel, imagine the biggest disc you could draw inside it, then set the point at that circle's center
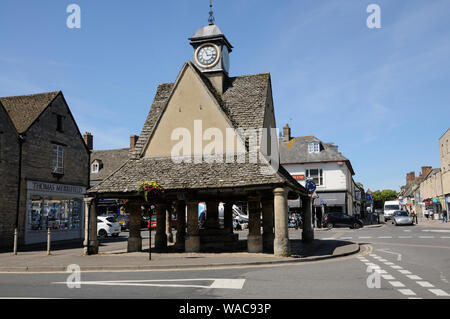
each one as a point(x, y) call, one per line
point(102, 233)
point(330, 226)
point(356, 226)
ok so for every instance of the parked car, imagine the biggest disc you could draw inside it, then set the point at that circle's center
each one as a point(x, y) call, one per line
point(331, 220)
point(401, 217)
point(107, 226)
point(152, 222)
point(124, 221)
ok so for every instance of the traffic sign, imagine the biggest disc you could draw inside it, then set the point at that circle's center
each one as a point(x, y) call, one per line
point(310, 186)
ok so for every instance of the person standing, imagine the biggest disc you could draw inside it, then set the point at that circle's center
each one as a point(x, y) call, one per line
point(444, 216)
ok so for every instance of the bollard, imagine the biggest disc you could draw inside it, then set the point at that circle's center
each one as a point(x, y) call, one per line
point(49, 233)
point(15, 241)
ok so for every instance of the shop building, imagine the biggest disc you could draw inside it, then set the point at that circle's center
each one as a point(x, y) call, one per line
point(47, 170)
point(308, 157)
point(444, 146)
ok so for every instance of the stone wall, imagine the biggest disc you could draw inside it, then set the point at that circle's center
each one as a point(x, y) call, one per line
point(9, 171)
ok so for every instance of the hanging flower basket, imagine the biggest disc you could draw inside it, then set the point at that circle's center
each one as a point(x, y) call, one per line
point(150, 189)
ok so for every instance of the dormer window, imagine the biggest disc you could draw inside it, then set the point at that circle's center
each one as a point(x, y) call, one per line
point(314, 147)
point(95, 167)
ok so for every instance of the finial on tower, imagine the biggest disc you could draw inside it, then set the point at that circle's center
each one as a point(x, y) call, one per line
point(211, 19)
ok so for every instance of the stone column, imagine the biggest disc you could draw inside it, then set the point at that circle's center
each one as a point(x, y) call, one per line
point(134, 238)
point(281, 243)
point(181, 222)
point(160, 236)
point(90, 229)
point(228, 217)
point(192, 241)
point(268, 235)
point(169, 233)
point(212, 215)
point(254, 239)
point(308, 230)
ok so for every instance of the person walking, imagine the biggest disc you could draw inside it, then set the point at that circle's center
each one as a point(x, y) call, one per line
point(202, 219)
point(444, 216)
point(414, 216)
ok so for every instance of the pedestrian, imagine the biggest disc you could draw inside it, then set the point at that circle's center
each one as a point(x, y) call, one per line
point(414, 216)
point(426, 213)
point(202, 219)
point(444, 216)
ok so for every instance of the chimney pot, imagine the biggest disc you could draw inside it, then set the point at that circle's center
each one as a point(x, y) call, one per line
point(89, 140)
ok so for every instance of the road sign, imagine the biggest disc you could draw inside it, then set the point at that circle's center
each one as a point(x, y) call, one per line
point(310, 186)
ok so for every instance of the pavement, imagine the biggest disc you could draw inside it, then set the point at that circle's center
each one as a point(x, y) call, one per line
point(120, 260)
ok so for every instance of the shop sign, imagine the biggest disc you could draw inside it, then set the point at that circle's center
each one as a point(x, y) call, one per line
point(299, 177)
point(55, 188)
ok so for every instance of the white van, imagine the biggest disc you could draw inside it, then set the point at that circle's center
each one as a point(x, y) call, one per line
point(389, 208)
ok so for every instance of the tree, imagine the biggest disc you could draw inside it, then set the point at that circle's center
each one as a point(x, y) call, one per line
point(379, 197)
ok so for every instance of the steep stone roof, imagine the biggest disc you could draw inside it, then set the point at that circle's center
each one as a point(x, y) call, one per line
point(111, 160)
point(25, 109)
point(244, 103)
point(179, 176)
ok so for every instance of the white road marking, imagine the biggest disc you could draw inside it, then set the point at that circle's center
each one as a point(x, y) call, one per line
point(445, 237)
point(389, 263)
point(436, 230)
point(425, 284)
point(216, 284)
point(364, 237)
point(405, 272)
point(407, 292)
point(439, 292)
point(414, 277)
point(396, 267)
point(384, 237)
point(396, 284)
point(345, 238)
point(388, 277)
point(426, 236)
point(404, 236)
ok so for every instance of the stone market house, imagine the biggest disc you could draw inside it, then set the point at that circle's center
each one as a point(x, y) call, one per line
point(41, 143)
point(205, 102)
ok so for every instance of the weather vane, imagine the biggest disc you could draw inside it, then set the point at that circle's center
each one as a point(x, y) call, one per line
point(211, 19)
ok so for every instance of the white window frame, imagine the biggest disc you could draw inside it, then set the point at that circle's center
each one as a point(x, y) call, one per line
point(320, 177)
point(58, 161)
point(314, 147)
point(95, 167)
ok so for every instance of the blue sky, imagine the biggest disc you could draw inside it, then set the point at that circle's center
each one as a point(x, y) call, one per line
point(382, 94)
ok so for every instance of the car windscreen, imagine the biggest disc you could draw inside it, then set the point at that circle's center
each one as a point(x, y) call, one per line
point(401, 213)
point(391, 207)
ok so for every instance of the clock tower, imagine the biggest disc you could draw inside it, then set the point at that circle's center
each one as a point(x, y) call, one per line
point(211, 53)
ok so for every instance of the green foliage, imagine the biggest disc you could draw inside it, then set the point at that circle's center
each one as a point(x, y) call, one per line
point(379, 197)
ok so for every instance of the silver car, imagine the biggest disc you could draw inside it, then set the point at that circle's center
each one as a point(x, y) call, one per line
point(401, 217)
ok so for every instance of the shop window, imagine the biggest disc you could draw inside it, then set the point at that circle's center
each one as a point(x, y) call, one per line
point(54, 213)
point(58, 161)
point(316, 175)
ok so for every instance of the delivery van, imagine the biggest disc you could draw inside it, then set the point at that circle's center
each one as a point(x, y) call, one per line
point(389, 208)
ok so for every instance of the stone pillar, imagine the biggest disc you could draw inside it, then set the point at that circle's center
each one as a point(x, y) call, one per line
point(228, 217)
point(160, 236)
point(181, 222)
point(268, 235)
point(254, 239)
point(192, 240)
point(281, 244)
point(134, 238)
point(212, 215)
point(308, 230)
point(169, 233)
point(90, 229)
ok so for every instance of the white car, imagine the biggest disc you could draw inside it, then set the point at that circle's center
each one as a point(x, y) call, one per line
point(401, 217)
point(389, 208)
point(107, 226)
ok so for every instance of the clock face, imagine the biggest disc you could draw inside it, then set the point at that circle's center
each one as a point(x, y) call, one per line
point(207, 55)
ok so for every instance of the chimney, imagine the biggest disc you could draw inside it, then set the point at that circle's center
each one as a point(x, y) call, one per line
point(426, 170)
point(410, 177)
point(89, 140)
point(286, 133)
point(133, 141)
